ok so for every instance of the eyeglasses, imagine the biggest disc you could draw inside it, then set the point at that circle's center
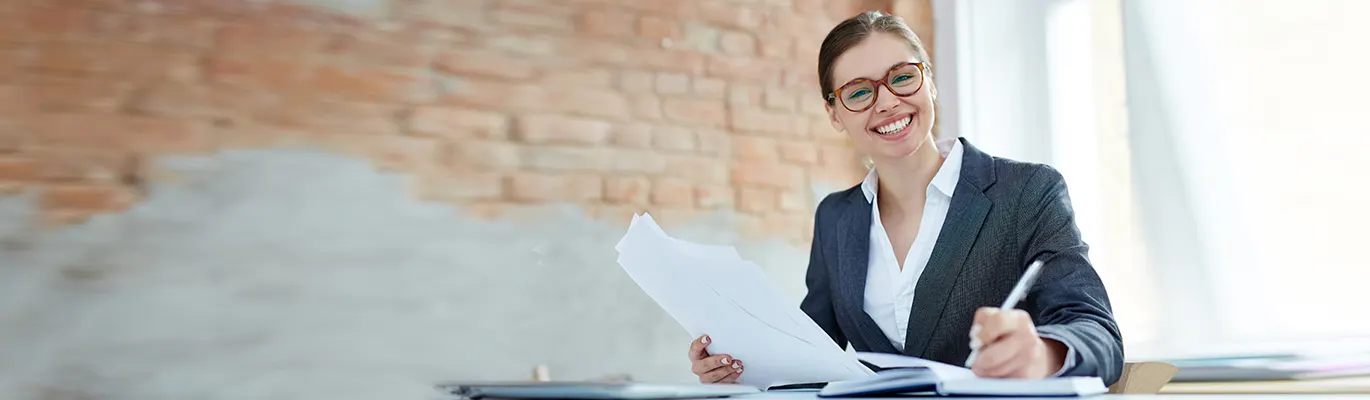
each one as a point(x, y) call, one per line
point(903, 80)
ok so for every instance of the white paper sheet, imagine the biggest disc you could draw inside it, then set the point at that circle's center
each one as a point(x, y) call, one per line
point(710, 289)
point(943, 371)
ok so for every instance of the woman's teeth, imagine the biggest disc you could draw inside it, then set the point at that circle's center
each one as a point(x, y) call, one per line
point(894, 126)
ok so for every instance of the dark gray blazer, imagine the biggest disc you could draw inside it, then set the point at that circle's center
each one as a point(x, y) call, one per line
point(1003, 215)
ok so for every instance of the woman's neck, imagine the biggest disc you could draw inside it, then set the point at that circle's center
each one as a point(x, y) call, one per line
point(905, 180)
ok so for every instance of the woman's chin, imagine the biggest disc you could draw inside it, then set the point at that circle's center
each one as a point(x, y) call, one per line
point(902, 148)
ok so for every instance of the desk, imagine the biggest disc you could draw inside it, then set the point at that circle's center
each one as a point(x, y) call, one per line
point(812, 395)
point(1351, 385)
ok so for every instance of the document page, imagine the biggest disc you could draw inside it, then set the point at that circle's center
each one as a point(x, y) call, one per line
point(710, 289)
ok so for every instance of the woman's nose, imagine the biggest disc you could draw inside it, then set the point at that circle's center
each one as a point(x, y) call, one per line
point(885, 99)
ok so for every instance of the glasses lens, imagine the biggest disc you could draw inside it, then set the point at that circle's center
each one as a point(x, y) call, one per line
point(857, 95)
point(906, 80)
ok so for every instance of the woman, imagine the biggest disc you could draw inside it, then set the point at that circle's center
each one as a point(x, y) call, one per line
point(916, 259)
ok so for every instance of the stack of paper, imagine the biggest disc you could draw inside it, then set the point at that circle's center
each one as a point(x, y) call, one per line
point(712, 290)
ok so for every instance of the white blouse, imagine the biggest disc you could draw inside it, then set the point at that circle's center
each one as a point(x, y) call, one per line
point(889, 290)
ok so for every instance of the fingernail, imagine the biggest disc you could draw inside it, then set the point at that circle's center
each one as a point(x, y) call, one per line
point(706, 339)
point(725, 360)
point(736, 366)
point(974, 330)
point(975, 343)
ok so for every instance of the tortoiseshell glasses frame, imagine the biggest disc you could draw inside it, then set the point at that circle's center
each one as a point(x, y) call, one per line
point(856, 101)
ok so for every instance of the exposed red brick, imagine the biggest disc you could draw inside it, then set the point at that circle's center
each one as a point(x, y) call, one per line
point(18, 169)
point(676, 107)
point(490, 94)
point(779, 99)
point(714, 142)
point(672, 192)
point(673, 138)
point(86, 197)
point(767, 122)
point(485, 155)
point(589, 77)
point(607, 23)
point(633, 136)
point(461, 187)
point(112, 59)
point(87, 165)
point(637, 82)
point(405, 153)
point(331, 116)
point(837, 156)
point(457, 123)
point(779, 176)
point(95, 131)
point(684, 62)
point(737, 43)
point(646, 107)
point(791, 200)
point(695, 112)
point(742, 69)
point(545, 128)
point(754, 148)
point(672, 83)
point(710, 87)
point(799, 152)
point(637, 161)
point(587, 102)
point(655, 28)
point(484, 64)
point(776, 46)
point(626, 190)
point(532, 18)
point(566, 158)
point(543, 187)
point(202, 101)
point(256, 41)
point(712, 197)
point(467, 14)
point(700, 170)
point(369, 84)
point(756, 199)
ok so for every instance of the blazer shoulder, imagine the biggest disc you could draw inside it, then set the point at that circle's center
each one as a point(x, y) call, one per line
point(835, 201)
point(1027, 175)
point(830, 208)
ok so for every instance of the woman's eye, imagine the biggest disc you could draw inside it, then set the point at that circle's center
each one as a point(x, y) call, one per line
point(901, 78)
point(858, 93)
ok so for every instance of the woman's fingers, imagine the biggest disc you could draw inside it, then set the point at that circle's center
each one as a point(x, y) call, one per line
point(723, 374)
point(699, 348)
point(711, 363)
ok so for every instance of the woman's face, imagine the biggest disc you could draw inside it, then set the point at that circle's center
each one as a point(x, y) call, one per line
point(892, 126)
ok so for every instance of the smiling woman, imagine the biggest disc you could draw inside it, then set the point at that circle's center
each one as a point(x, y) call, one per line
point(913, 259)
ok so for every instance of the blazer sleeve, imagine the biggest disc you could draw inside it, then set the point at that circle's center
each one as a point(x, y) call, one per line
point(1068, 302)
point(817, 302)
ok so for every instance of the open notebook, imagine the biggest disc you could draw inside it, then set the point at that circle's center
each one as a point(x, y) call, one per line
point(904, 374)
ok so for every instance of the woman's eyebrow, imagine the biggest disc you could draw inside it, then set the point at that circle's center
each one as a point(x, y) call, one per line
point(882, 75)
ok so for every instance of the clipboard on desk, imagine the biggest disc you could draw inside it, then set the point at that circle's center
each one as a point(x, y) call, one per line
point(590, 390)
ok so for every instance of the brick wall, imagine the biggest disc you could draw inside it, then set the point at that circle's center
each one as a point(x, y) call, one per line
point(678, 107)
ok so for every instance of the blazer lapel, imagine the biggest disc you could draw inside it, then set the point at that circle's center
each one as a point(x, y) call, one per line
point(853, 253)
point(969, 206)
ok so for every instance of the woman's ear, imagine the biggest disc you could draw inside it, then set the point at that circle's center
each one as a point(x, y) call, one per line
point(832, 118)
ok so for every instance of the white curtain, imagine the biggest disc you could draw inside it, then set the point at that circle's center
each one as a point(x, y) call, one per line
point(1212, 149)
point(1247, 121)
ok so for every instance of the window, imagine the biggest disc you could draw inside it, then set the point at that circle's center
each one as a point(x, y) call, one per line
point(1210, 149)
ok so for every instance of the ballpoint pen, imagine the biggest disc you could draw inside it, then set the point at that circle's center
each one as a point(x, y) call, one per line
point(1019, 291)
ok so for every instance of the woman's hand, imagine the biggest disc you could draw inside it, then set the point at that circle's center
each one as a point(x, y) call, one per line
point(717, 368)
point(1010, 348)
